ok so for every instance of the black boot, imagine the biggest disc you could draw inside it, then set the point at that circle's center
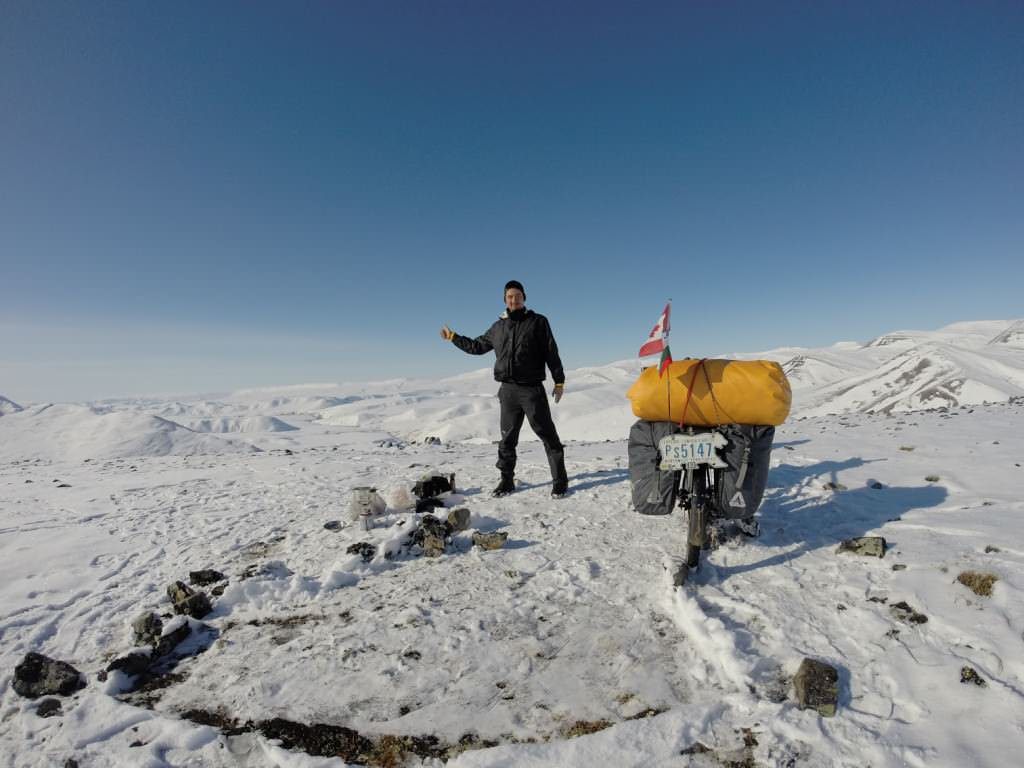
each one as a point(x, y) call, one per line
point(505, 487)
point(559, 489)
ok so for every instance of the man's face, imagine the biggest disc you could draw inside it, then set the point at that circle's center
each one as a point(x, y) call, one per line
point(514, 299)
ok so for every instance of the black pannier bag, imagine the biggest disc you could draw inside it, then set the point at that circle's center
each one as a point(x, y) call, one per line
point(654, 491)
point(739, 488)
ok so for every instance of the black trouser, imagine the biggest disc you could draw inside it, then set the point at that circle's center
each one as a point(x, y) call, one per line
point(531, 401)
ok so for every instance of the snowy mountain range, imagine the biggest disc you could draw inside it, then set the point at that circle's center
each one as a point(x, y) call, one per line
point(963, 364)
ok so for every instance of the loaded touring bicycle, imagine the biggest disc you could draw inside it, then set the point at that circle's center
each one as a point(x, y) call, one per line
point(711, 457)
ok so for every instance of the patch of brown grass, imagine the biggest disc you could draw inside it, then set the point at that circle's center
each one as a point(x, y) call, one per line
point(978, 582)
point(585, 727)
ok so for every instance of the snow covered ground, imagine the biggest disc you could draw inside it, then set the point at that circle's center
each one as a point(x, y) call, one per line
point(567, 646)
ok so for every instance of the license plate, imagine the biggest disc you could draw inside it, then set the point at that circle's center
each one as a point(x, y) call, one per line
point(687, 451)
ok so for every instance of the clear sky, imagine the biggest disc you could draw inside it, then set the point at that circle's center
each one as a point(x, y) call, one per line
point(201, 196)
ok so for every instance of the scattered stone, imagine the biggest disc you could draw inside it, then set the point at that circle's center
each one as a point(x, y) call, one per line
point(218, 590)
point(868, 546)
point(877, 599)
point(696, 748)
point(932, 479)
point(433, 546)
point(64, 485)
point(840, 607)
point(364, 549)
point(332, 525)
point(877, 486)
point(148, 627)
point(458, 519)
point(169, 641)
point(39, 675)
point(71, 763)
point(494, 540)
point(907, 448)
point(205, 577)
point(817, 687)
point(431, 440)
point(899, 567)
point(990, 549)
point(906, 614)
point(979, 583)
point(135, 663)
point(50, 708)
point(970, 675)
point(830, 486)
point(187, 601)
point(431, 535)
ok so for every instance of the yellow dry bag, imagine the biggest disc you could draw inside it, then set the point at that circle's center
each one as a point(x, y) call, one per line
point(713, 392)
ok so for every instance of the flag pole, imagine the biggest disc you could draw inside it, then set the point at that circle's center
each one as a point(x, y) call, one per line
point(668, 382)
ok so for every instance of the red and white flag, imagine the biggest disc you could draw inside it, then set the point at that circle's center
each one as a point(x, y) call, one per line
point(657, 341)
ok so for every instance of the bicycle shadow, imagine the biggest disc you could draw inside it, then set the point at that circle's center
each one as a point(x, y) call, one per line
point(813, 518)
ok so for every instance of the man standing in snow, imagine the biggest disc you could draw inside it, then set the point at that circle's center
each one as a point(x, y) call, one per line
point(523, 343)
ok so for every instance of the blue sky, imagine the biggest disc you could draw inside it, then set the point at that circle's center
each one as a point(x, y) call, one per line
point(197, 197)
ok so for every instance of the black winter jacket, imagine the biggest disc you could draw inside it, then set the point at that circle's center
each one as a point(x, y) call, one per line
point(523, 343)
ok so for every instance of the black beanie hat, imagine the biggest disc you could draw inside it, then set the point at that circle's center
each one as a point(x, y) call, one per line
point(514, 284)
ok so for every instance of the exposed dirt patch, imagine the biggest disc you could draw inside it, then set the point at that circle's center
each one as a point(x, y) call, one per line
point(151, 688)
point(319, 739)
point(645, 713)
point(323, 740)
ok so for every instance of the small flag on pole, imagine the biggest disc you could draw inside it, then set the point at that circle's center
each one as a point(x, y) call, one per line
point(657, 341)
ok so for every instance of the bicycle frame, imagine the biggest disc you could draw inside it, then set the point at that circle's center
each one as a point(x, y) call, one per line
point(696, 495)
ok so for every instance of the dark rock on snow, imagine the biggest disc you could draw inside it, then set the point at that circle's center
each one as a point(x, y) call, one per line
point(817, 687)
point(187, 601)
point(905, 613)
point(363, 549)
point(50, 708)
point(970, 675)
point(494, 540)
point(132, 664)
point(458, 519)
point(39, 675)
point(147, 628)
point(172, 639)
point(332, 525)
point(205, 577)
point(868, 546)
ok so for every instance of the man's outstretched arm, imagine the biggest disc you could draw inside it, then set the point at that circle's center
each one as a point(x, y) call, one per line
point(481, 345)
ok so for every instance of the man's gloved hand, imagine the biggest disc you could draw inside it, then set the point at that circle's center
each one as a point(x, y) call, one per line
point(558, 391)
point(447, 333)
